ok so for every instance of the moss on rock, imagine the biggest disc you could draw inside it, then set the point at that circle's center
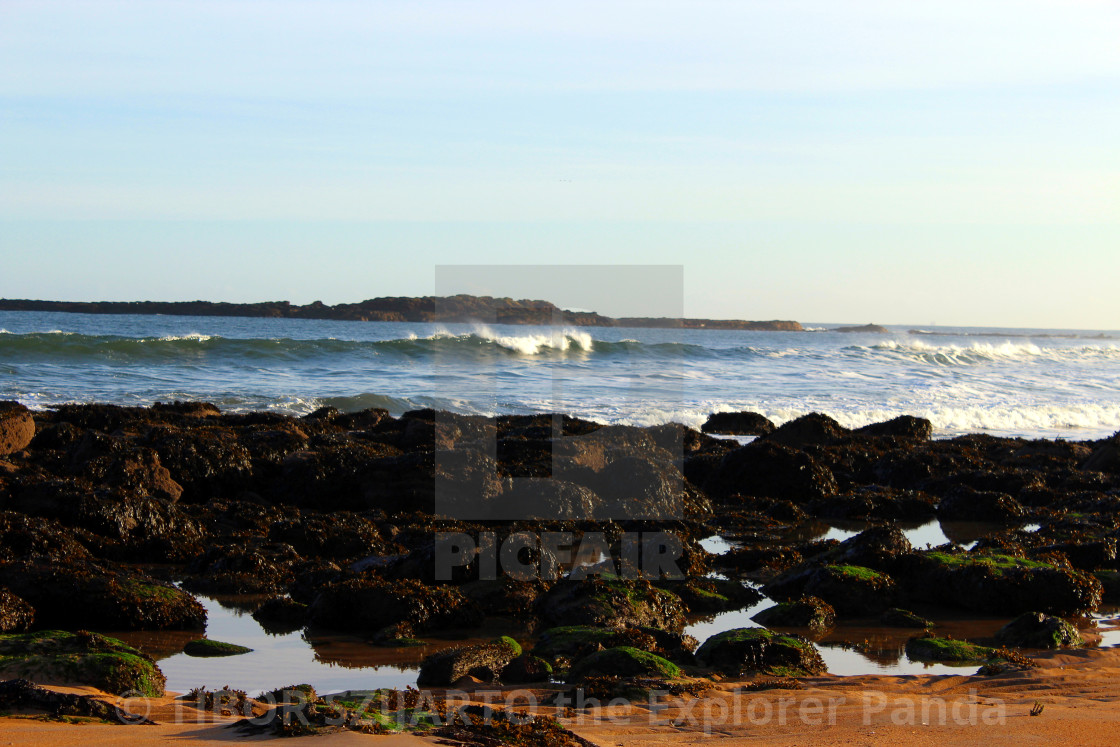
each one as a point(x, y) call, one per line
point(624, 661)
point(932, 648)
point(83, 658)
point(744, 650)
point(207, 647)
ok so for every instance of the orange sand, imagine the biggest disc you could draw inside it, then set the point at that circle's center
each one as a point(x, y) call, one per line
point(1080, 692)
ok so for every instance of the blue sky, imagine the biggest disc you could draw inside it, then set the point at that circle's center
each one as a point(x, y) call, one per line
point(950, 162)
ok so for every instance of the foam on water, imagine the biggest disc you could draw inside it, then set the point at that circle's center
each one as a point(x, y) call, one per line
point(1032, 387)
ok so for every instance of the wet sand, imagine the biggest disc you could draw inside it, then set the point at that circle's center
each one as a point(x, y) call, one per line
point(1078, 689)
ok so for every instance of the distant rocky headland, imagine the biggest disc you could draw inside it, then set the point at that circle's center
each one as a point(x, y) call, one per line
point(461, 308)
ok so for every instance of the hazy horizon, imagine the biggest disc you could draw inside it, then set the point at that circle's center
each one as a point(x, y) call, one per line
point(947, 162)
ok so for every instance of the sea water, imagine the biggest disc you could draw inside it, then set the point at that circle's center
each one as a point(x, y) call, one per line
point(1030, 383)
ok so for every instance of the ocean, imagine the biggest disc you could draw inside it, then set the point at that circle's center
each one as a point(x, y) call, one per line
point(1031, 383)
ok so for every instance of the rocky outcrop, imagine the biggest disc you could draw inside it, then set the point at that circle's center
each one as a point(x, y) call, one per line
point(485, 662)
point(769, 470)
point(1038, 630)
point(806, 612)
point(611, 603)
point(738, 424)
point(462, 308)
point(760, 651)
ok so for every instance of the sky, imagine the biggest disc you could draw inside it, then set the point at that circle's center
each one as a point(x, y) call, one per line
point(916, 162)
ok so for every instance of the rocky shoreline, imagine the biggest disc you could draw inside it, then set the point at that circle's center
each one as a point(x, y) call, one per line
point(425, 309)
point(111, 517)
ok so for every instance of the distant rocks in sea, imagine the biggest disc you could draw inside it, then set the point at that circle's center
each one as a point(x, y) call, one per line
point(450, 309)
point(873, 329)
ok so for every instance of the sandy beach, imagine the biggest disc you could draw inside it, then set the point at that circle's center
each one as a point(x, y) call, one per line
point(1079, 692)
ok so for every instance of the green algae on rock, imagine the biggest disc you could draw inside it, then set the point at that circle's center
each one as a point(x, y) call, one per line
point(83, 658)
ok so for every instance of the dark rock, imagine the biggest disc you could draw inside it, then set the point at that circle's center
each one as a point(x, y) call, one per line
point(526, 668)
point(207, 462)
point(965, 504)
point(1038, 630)
point(16, 615)
point(708, 595)
point(851, 590)
point(330, 477)
point(505, 597)
point(1106, 457)
point(806, 612)
point(612, 603)
point(738, 424)
point(624, 661)
point(281, 615)
point(484, 662)
point(338, 535)
point(109, 600)
point(1086, 556)
point(758, 650)
point(876, 502)
point(900, 618)
point(372, 604)
point(557, 500)
point(904, 426)
point(769, 470)
point(878, 547)
point(997, 583)
point(807, 430)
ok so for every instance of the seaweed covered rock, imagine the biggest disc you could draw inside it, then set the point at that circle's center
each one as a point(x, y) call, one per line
point(207, 462)
point(610, 602)
point(1038, 630)
point(110, 600)
point(876, 502)
point(17, 427)
point(484, 662)
point(806, 612)
point(624, 661)
point(16, 615)
point(896, 617)
point(572, 642)
point(812, 429)
point(758, 650)
point(769, 470)
point(371, 604)
point(82, 658)
point(527, 668)
point(878, 547)
point(904, 426)
point(966, 504)
point(281, 615)
point(1106, 457)
point(852, 590)
point(997, 583)
point(932, 648)
point(709, 595)
point(205, 647)
point(738, 424)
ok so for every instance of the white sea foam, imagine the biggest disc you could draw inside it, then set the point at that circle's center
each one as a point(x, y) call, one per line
point(561, 340)
point(197, 336)
point(981, 352)
point(1074, 420)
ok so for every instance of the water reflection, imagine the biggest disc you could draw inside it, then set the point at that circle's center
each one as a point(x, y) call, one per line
point(330, 663)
